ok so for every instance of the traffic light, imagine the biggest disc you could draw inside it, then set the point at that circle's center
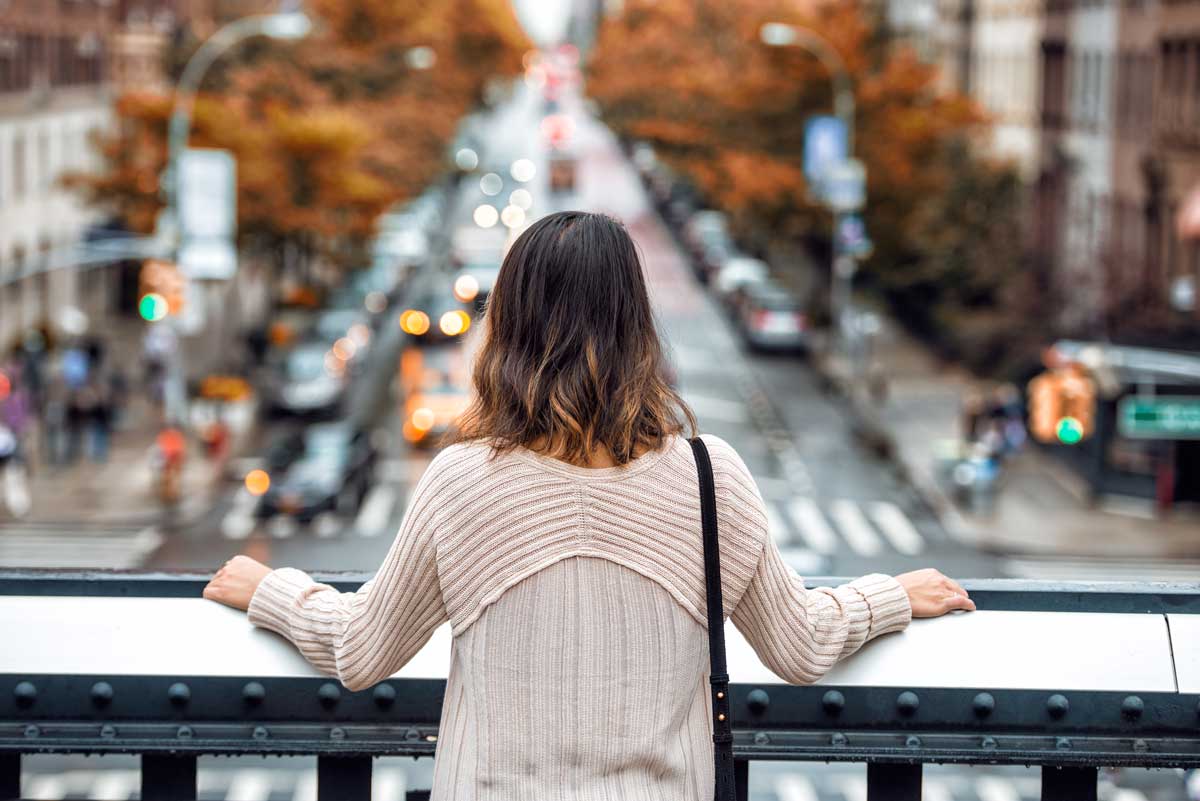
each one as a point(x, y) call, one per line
point(161, 288)
point(1062, 406)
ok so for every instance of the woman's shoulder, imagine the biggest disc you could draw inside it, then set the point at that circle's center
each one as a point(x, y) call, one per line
point(728, 466)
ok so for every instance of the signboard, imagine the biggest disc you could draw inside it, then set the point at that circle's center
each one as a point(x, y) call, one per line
point(824, 146)
point(1161, 417)
point(852, 236)
point(207, 213)
point(845, 186)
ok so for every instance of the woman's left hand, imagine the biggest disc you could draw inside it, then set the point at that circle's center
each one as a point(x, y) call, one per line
point(235, 583)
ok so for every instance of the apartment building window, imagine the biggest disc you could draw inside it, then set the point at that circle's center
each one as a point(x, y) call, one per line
point(1054, 78)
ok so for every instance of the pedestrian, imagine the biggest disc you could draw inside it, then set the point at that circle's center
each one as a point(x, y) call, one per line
point(54, 415)
point(75, 367)
point(559, 535)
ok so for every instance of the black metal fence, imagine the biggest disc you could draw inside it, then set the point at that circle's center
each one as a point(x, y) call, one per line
point(170, 720)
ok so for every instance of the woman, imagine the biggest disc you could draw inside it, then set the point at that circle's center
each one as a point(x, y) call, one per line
point(559, 534)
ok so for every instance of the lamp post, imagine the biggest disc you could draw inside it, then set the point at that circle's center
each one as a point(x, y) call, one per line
point(778, 34)
point(285, 26)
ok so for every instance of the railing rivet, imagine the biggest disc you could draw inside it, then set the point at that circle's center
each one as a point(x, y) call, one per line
point(102, 693)
point(184, 733)
point(1140, 745)
point(984, 705)
point(988, 742)
point(260, 733)
point(337, 733)
point(758, 700)
point(1132, 707)
point(179, 694)
point(912, 741)
point(26, 693)
point(385, 695)
point(838, 739)
point(907, 703)
point(762, 738)
point(253, 693)
point(1062, 744)
point(1057, 705)
point(108, 731)
point(32, 731)
point(833, 702)
point(329, 694)
point(412, 734)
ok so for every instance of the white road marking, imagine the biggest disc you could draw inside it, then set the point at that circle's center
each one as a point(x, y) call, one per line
point(991, 788)
point(77, 547)
point(45, 788)
point(281, 527)
point(708, 407)
point(115, 785)
point(855, 528)
point(809, 521)
point(306, 787)
point(250, 785)
point(1119, 569)
point(934, 790)
point(388, 785)
point(776, 528)
point(803, 561)
point(897, 528)
point(373, 516)
point(327, 525)
point(795, 787)
point(853, 787)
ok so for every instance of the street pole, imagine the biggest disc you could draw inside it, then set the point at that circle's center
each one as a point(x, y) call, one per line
point(778, 34)
point(286, 26)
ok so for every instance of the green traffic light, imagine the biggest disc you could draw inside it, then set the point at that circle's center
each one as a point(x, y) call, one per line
point(1069, 430)
point(152, 307)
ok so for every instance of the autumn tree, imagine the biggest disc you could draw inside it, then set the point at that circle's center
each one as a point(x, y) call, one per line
point(328, 132)
point(693, 78)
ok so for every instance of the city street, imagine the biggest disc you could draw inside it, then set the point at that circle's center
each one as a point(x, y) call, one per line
point(836, 508)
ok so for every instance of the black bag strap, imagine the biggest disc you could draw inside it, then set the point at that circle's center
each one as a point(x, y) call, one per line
point(719, 678)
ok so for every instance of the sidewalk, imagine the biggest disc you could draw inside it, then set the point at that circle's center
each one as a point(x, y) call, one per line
point(1040, 508)
point(122, 491)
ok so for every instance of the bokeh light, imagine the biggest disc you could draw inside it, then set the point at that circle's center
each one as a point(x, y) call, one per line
point(523, 170)
point(466, 287)
point(422, 419)
point(414, 322)
point(466, 159)
point(486, 215)
point(521, 198)
point(1069, 430)
point(152, 307)
point(375, 301)
point(5, 385)
point(491, 184)
point(257, 482)
point(513, 216)
point(454, 322)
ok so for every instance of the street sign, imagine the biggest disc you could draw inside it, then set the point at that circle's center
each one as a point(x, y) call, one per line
point(852, 236)
point(207, 213)
point(824, 145)
point(1160, 417)
point(844, 186)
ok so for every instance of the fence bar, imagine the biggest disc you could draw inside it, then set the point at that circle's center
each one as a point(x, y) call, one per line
point(168, 777)
point(342, 778)
point(741, 779)
point(887, 782)
point(10, 775)
point(1069, 784)
point(417, 795)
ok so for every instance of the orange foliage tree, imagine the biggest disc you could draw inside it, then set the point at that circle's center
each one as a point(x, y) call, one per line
point(329, 131)
point(693, 78)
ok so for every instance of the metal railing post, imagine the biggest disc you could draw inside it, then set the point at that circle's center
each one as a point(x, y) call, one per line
point(888, 782)
point(168, 777)
point(342, 778)
point(1069, 783)
point(10, 775)
point(741, 779)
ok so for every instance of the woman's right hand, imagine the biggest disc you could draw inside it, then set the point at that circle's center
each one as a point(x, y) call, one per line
point(932, 594)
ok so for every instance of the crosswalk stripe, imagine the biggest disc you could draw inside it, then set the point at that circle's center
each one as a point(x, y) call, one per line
point(373, 516)
point(306, 787)
point(853, 787)
point(46, 787)
point(855, 528)
point(706, 406)
point(388, 785)
point(115, 785)
point(794, 787)
point(775, 527)
point(1126, 794)
point(897, 528)
point(78, 548)
point(934, 790)
point(250, 785)
point(990, 788)
point(809, 521)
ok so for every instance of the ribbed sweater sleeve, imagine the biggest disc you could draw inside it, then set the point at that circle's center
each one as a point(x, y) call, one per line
point(798, 633)
point(363, 637)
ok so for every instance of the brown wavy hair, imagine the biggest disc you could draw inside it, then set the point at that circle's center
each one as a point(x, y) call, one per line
point(570, 358)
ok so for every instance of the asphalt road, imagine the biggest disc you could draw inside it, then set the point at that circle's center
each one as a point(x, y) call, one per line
point(835, 508)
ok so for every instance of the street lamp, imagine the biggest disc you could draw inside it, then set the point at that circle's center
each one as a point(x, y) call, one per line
point(778, 34)
point(289, 25)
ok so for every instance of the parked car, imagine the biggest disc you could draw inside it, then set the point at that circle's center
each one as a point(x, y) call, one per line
point(332, 474)
point(737, 273)
point(770, 318)
point(306, 380)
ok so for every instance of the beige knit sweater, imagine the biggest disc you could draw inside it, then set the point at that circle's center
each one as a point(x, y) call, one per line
point(579, 665)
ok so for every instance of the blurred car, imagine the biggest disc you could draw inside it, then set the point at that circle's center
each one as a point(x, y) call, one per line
point(332, 474)
point(436, 387)
point(308, 379)
point(347, 332)
point(437, 317)
point(770, 318)
point(735, 274)
point(706, 236)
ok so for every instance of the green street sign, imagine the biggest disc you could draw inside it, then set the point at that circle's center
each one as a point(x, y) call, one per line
point(1162, 417)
